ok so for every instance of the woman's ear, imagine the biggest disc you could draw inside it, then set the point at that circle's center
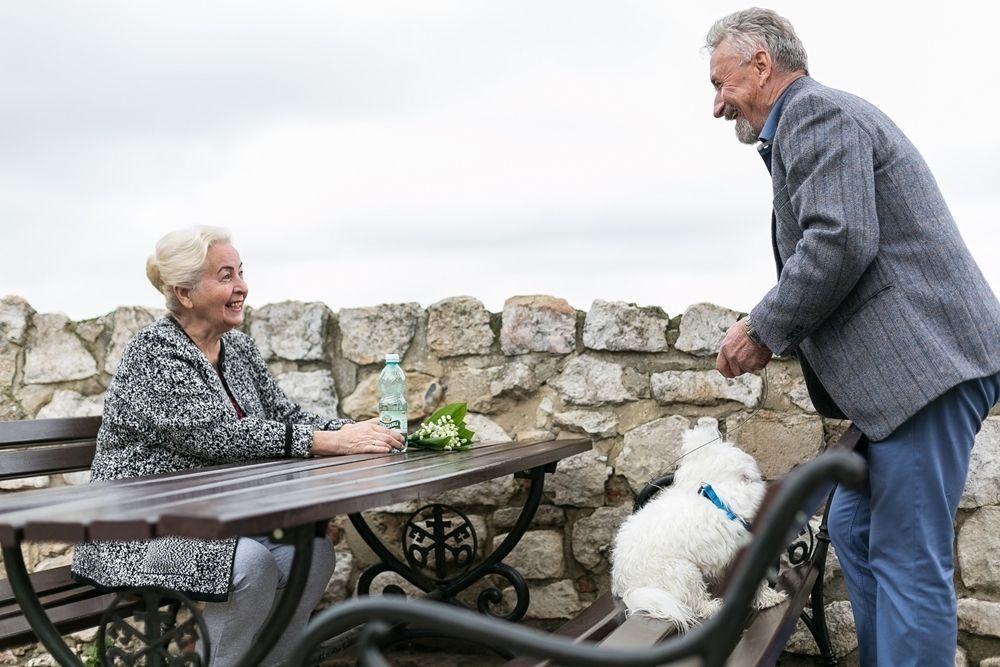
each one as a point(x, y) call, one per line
point(183, 295)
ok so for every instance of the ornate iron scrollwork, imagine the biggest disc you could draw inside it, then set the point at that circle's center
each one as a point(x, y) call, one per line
point(803, 547)
point(438, 539)
point(164, 632)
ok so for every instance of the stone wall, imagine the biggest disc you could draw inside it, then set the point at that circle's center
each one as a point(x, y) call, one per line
point(630, 378)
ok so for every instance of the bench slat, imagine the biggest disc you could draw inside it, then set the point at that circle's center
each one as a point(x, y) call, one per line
point(31, 431)
point(765, 639)
point(46, 460)
point(592, 624)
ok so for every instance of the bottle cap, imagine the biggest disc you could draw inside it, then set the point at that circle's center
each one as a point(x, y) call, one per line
point(392, 358)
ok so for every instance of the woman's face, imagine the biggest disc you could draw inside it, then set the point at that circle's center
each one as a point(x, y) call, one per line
point(217, 300)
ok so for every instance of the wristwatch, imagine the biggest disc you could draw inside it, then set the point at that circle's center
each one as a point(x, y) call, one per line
point(754, 336)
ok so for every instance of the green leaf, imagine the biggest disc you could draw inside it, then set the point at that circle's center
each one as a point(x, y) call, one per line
point(456, 411)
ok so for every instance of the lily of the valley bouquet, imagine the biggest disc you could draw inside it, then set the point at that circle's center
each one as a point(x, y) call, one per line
point(445, 430)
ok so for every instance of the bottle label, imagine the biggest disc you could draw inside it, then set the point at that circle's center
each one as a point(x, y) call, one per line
point(394, 420)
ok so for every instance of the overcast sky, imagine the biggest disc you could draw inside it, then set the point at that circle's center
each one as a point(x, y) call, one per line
point(370, 152)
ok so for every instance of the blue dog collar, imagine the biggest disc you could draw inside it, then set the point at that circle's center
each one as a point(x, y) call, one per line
point(707, 491)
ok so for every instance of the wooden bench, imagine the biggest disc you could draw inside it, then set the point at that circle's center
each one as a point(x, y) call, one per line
point(602, 634)
point(32, 448)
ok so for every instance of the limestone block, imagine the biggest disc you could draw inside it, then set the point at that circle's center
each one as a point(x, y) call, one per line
point(537, 324)
point(514, 378)
point(15, 314)
point(579, 480)
point(392, 579)
point(76, 478)
point(625, 327)
point(839, 621)
point(338, 588)
point(459, 325)
point(778, 442)
point(54, 354)
point(650, 450)
point(472, 386)
point(593, 535)
point(990, 662)
point(703, 327)
point(423, 394)
point(290, 330)
point(539, 554)
point(126, 323)
point(962, 658)
point(983, 484)
point(978, 546)
point(91, 330)
point(554, 601)
point(534, 435)
point(799, 395)
point(590, 381)
point(543, 413)
point(546, 516)
point(33, 396)
point(486, 430)
point(39, 482)
point(600, 424)
point(494, 493)
point(8, 363)
point(71, 404)
point(979, 617)
point(312, 390)
point(368, 334)
point(705, 388)
point(9, 409)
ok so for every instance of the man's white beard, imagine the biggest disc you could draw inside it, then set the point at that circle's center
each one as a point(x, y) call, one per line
point(745, 132)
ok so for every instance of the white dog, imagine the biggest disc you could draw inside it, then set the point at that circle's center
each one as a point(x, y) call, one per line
point(667, 555)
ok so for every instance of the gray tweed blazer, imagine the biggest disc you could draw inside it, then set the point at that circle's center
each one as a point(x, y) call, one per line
point(167, 409)
point(876, 286)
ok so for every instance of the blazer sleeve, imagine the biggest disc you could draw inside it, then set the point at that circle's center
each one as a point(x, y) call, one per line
point(164, 396)
point(829, 163)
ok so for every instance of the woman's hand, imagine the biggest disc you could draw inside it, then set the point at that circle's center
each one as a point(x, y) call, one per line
point(367, 437)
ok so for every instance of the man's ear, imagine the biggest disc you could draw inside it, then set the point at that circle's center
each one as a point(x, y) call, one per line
point(762, 66)
point(183, 295)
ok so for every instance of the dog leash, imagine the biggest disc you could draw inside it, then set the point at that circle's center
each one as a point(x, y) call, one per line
point(760, 404)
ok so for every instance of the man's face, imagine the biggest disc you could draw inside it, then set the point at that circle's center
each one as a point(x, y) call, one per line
point(737, 95)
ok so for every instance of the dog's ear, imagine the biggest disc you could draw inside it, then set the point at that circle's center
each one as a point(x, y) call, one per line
point(704, 432)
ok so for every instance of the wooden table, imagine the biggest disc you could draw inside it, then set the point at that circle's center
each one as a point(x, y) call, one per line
point(289, 498)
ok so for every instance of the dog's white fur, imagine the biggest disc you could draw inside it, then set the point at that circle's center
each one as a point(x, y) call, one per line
point(667, 555)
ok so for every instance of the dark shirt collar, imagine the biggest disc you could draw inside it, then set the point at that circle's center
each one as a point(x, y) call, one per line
point(771, 124)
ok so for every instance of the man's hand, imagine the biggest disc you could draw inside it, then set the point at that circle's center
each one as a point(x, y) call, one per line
point(738, 354)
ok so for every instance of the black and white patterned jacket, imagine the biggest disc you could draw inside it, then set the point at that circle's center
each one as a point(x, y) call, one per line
point(167, 409)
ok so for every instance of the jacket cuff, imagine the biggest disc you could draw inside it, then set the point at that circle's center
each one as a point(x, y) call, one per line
point(298, 440)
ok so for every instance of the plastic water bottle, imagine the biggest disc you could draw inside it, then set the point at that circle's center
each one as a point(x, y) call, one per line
point(392, 396)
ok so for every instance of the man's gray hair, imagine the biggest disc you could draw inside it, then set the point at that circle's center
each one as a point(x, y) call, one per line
point(751, 29)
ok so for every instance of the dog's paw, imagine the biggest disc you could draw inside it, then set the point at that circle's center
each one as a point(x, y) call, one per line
point(768, 597)
point(706, 608)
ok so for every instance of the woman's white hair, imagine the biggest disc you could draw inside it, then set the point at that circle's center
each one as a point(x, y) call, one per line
point(751, 29)
point(179, 260)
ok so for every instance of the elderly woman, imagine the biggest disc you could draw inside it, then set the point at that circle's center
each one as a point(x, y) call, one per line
point(191, 391)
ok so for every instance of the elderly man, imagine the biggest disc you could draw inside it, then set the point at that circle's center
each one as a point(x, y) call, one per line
point(892, 320)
